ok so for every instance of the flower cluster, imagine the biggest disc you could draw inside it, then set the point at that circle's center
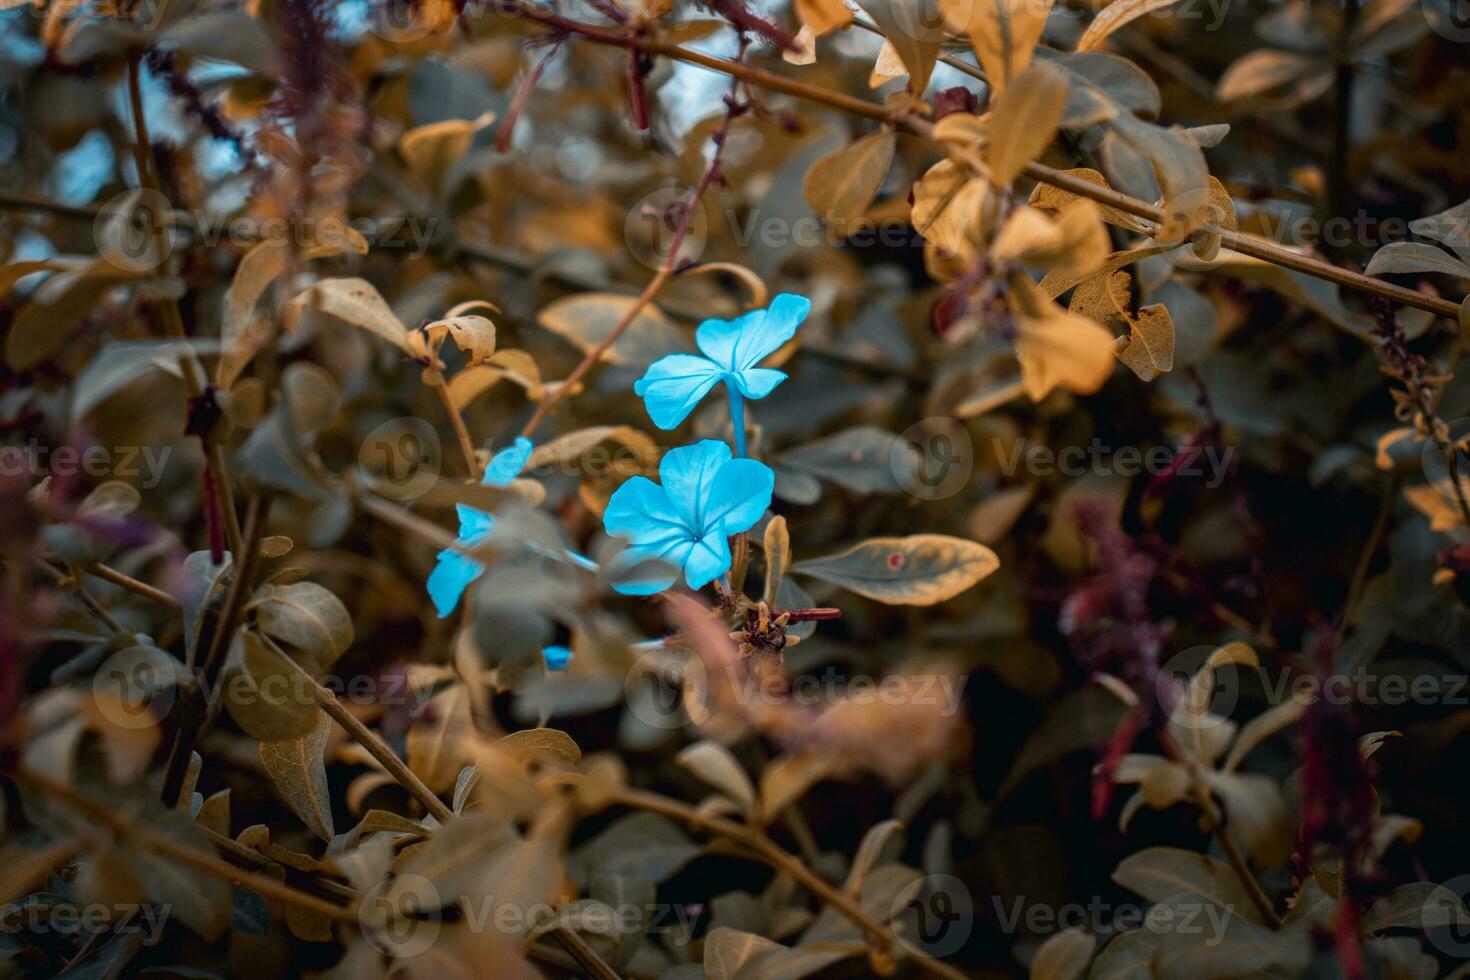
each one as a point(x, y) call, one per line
point(683, 524)
point(707, 495)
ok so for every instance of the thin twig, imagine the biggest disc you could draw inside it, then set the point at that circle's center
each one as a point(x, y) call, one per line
point(161, 844)
point(110, 574)
point(782, 860)
point(435, 379)
point(68, 581)
point(195, 383)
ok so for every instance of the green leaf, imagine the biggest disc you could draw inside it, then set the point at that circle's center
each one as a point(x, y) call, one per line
point(306, 616)
point(1158, 872)
point(918, 570)
point(1411, 257)
point(264, 692)
point(586, 319)
point(864, 459)
point(1063, 956)
point(1418, 905)
point(840, 186)
point(298, 768)
point(714, 764)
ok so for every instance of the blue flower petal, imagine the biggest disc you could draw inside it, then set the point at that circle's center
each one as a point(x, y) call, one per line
point(760, 340)
point(717, 338)
point(707, 561)
point(673, 385)
point(507, 463)
point(472, 522)
point(687, 473)
point(450, 578)
point(556, 657)
point(641, 511)
point(739, 495)
point(758, 382)
point(671, 551)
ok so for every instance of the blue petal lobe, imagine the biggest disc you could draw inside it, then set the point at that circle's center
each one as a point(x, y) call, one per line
point(450, 578)
point(739, 495)
point(641, 511)
point(687, 474)
point(779, 325)
point(758, 382)
point(707, 561)
point(505, 464)
point(472, 522)
point(673, 385)
point(717, 338)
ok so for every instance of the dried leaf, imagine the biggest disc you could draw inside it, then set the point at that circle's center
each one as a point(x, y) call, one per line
point(298, 768)
point(918, 570)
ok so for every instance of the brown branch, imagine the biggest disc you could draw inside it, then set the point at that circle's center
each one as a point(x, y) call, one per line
point(1245, 244)
point(195, 383)
point(165, 846)
point(109, 574)
point(783, 861)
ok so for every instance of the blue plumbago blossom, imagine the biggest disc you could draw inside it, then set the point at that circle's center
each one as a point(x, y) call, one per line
point(673, 385)
point(456, 571)
point(706, 496)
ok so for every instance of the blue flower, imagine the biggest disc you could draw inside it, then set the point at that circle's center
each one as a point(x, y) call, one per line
point(673, 385)
point(706, 497)
point(455, 570)
point(556, 657)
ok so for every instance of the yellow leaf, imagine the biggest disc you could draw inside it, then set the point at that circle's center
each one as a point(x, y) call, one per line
point(949, 207)
point(1149, 349)
point(1003, 33)
point(1056, 348)
point(1073, 243)
point(358, 302)
point(1048, 197)
point(842, 184)
point(1103, 297)
point(823, 15)
point(913, 30)
point(431, 150)
point(1114, 16)
point(918, 570)
point(1024, 121)
point(805, 51)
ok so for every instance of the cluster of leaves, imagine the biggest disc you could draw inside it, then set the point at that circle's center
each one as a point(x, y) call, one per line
point(361, 680)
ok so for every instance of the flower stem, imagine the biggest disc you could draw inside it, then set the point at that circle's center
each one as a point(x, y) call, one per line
point(737, 417)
